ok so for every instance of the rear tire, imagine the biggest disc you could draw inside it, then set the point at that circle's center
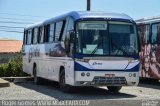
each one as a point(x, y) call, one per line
point(62, 83)
point(114, 88)
point(37, 80)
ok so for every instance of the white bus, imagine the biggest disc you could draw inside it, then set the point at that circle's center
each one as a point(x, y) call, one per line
point(83, 49)
point(149, 35)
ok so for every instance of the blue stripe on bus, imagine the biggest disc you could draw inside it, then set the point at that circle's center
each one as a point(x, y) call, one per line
point(78, 67)
point(81, 56)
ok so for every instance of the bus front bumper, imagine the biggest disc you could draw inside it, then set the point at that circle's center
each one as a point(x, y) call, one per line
point(103, 78)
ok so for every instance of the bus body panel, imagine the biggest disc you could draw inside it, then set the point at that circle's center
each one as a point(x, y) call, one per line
point(128, 70)
point(130, 80)
point(48, 67)
point(149, 35)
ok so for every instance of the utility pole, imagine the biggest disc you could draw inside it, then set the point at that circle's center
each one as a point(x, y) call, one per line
point(88, 5)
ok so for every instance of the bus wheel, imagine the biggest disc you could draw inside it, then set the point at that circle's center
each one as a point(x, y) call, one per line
point(114, 88)
point(36, 79)
point(63, 86)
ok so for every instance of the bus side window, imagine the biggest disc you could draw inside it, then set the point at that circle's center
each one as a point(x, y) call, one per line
point(52, 32)
point(155, 39)
point(35, 31)
point(29, 36)
point(32, 36)
point(46, 34)
point(58, 30)
point(144, 34)
point(63, 31)
point(158, 35)
point(154, 33)
point(70, 26)
point(41, 35)
point(24, 37)
point(38, 35)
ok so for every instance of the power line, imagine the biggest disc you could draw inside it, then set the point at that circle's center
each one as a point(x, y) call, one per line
point(17, 19)
point(14, 22)
point(10, 27)
point(11, 31)
point(23, 15)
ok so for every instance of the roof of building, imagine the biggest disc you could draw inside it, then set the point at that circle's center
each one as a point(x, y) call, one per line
point(10, 46)
point(85, 14)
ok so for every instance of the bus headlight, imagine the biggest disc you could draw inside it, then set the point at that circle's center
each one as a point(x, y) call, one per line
point(88, 74)
point(134, 74)
point(132, 61)
point(130, 74)
point(83, 74)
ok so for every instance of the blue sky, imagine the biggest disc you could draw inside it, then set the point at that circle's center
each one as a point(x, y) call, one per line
point(31, 11)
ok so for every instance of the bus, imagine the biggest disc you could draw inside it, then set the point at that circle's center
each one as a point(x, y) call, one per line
point(149, 35)
point(83, 48)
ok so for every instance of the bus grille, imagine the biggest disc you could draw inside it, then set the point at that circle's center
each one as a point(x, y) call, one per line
point(109, 81)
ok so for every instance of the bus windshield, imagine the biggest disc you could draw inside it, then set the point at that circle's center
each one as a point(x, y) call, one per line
point(107, 38)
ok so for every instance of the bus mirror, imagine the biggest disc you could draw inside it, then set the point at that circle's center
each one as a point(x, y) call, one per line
point(72, 35)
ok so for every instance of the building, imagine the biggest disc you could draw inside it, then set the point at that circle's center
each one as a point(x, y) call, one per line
point(8, 49)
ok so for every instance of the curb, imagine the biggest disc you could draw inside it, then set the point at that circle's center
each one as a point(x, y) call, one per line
point(18, 79)
point(4, 83)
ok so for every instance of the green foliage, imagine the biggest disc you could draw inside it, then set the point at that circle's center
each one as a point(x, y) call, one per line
point(13, 68)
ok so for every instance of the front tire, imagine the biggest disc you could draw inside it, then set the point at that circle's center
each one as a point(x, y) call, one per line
point(114, 88)
point(62, 83)
point(37, 80)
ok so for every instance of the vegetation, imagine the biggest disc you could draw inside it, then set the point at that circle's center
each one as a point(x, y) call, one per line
point(13, 68)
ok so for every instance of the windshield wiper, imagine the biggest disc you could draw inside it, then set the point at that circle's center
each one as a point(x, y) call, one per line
point(95, 50)
point(99, 44)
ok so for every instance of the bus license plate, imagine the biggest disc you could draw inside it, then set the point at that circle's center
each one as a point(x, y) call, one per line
point(109, 75)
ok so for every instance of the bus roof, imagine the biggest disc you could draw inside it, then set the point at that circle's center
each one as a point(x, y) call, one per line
point(83, 14)
point(148, 20)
